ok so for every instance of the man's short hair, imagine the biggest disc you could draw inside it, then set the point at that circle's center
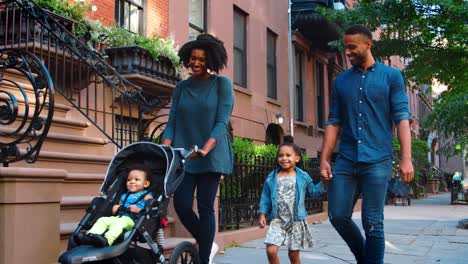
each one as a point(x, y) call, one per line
point(359, 29)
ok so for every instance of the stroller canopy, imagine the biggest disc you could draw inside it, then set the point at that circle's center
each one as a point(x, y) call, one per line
point(165, 164)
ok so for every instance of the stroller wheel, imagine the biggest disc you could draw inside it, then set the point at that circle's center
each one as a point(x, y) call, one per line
point(184, 253)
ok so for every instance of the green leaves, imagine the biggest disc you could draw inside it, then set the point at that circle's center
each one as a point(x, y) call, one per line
point(120, 37)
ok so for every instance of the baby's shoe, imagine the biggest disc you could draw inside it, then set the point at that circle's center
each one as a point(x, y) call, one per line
point(98, 240)
point(82, 239)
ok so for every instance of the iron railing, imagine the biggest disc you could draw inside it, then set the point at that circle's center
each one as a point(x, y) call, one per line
point(108, 100)
point(23, 126)
point(240, 193)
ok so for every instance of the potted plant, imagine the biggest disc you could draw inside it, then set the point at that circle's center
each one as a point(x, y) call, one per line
point(432, 184)
point(128, 53)
point(19, 27)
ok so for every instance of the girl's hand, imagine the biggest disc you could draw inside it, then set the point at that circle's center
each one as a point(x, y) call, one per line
point(115, 208)
point(262, 222)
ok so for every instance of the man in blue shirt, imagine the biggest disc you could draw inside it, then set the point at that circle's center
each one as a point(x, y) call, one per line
point(366, 101)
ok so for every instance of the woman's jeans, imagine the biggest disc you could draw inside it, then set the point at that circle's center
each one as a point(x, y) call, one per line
point(202, 227)
point(370, 180)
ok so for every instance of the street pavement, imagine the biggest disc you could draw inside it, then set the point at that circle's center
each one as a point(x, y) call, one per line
point(425, 232)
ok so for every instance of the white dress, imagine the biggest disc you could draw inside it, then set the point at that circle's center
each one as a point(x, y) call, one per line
point(283, 230)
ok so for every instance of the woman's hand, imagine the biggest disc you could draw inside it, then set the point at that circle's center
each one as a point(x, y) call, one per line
point(166, 142)
point(262, 221)
point(199, 154)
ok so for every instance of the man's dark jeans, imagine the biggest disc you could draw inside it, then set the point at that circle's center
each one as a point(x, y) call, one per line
point(370, 180)
point(202, 227)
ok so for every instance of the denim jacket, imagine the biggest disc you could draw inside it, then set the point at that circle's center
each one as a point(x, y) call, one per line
point(304, 184)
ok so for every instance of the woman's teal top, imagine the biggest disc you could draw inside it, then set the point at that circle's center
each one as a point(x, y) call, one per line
point(200, 110)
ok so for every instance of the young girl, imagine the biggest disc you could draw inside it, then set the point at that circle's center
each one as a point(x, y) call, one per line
point(282, 201)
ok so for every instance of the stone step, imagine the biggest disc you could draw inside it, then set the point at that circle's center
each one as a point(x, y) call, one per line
point(60, 110)
point(82, 184)
point(57, 142)
point(72, 162)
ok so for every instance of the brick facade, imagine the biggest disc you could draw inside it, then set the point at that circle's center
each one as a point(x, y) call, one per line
point(156, 15)
point(105, 11)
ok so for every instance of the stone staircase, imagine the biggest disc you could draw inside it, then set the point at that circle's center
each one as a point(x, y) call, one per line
point(73, 148)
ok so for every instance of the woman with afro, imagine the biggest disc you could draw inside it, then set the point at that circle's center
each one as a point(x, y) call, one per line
point(199, 115)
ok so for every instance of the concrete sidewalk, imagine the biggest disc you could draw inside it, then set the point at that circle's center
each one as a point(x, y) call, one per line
point(425, 232)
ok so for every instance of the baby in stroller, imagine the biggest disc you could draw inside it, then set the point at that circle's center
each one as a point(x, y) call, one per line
point(125, 213)
point(141, 207)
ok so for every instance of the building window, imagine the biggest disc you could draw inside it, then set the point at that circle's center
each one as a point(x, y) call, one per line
point(240, 47)
point(197, 18)
point(299, 86)
point(129, 15)
point(271, 64)
point(320, 91)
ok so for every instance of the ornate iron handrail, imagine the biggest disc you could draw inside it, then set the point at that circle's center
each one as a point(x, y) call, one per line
point(107, 99)
point(23, 132)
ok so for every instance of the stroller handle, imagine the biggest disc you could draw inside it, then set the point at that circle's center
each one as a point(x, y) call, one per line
point(185, 153)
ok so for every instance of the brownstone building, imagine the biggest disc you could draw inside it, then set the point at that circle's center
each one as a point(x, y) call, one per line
point(96, 112)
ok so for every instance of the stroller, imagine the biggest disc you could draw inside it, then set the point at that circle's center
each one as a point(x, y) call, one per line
point(144, 243)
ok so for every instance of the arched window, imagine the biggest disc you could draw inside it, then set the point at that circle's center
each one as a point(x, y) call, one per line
point(274, 134)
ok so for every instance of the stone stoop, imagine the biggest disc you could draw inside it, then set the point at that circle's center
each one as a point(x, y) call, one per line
point(68, 148)
point(81, 153)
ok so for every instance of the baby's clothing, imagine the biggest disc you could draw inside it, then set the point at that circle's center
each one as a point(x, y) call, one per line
point(285, 229)
point(128, 199)
point(115, 225)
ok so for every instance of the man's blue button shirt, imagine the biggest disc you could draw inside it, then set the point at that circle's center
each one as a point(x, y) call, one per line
point(364, 104)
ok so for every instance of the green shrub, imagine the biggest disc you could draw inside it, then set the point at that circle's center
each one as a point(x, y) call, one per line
point(75, 11)
point(242, 146)
point(419, 151)
point(111, 36)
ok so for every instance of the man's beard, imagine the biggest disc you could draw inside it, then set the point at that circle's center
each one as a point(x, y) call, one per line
point(358, 60)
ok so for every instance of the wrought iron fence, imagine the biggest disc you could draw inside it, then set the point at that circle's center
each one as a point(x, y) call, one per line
point(240, 193)
point(23, 127)
point(80, 74)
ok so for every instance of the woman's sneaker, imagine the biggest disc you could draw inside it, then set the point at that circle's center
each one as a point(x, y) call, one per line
point(214, 250)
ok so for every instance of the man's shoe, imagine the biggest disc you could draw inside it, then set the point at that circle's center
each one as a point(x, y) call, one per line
point(214, 250)
point(98, 240)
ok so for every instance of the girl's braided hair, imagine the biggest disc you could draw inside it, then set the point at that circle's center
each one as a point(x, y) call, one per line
point(216, 55)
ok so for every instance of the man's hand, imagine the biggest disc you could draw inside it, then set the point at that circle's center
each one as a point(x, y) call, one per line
point(406, 171)
point(325, 171)
point(262, 222)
